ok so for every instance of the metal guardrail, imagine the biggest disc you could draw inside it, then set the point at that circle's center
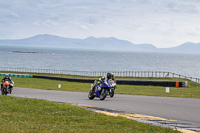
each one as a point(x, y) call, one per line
point(149, 74)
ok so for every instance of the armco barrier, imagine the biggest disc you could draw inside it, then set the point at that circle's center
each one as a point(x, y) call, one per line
point(16, 75)
point(65, 79)
point(147, 74)
point(153, 83)
point(123, 82)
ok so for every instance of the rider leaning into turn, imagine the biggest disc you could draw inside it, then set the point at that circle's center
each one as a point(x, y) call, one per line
point(6, 78)
point(103, 79)
point(110, 76)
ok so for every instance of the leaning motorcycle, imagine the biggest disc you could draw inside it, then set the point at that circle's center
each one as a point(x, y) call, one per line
point(7, 88)
point(100, 89)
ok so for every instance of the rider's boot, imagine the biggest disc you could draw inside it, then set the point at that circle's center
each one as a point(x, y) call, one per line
point(93, 89)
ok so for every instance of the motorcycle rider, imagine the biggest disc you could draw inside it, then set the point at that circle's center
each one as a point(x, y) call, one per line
point(110, 76)
point(113, 78)
point(104, 79)
point(101, 80)
point(6, 78)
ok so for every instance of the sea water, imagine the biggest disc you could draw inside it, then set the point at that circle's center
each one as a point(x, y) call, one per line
point(94, 60)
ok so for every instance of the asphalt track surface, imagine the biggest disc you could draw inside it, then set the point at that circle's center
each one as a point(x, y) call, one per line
point(181, 109)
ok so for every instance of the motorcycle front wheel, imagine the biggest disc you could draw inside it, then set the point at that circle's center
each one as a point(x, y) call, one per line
point(111, 92)
point(91, 95)
point(103, 94)
point(4, 91)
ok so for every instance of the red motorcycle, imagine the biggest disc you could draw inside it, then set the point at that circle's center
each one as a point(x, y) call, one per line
point(7, 88)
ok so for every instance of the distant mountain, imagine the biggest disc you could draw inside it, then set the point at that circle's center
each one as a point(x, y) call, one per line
point(187, 47)
point(43, 40)
point(109, 43)
point(147, 47)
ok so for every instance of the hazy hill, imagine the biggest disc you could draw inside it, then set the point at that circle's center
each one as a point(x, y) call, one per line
point(187, 47)
point(109, 43)
point(46, 40)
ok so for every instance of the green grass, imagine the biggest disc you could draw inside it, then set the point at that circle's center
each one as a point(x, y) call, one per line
point(193, 91)
point(27, 115)
point(159, 91)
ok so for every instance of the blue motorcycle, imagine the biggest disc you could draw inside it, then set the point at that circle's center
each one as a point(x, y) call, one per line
point(100, 89)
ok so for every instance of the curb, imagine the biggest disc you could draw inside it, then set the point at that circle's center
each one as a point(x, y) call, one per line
point(16, 75)
point(158, 121)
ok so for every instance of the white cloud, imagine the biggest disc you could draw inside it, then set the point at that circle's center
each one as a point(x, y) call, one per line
point(36, 23)
point(84, 27)
point(14, 14)
point(49, 22)
point(162, 23)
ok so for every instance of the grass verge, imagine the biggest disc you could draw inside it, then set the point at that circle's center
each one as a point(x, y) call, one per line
point(28, 115)
point(193, 91)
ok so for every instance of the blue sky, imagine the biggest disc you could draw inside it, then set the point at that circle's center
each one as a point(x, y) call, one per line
point(163, 23)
